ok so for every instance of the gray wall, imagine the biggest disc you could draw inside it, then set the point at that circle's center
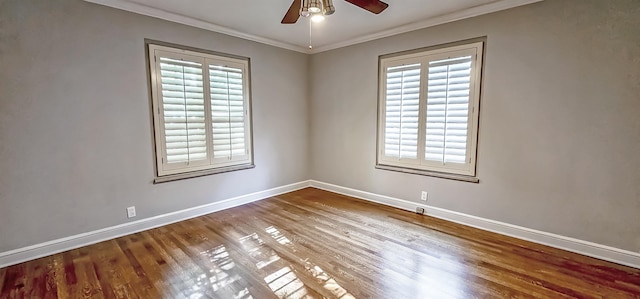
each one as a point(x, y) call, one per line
point(559, 120)
point(75, 126)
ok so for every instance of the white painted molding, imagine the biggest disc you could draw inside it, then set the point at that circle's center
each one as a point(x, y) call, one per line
point(599, 251)
point(603, 252)
point(177, 18)
point(32, 252)
point(447, 18)
point(442, 19)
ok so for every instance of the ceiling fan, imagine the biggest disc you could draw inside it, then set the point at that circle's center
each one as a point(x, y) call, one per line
point(306, 8)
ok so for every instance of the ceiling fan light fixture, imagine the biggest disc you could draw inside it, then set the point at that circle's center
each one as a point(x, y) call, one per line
point(317, 18)
point(329, 9)
point(315, 6)
point(305, 12)
point(304, 9)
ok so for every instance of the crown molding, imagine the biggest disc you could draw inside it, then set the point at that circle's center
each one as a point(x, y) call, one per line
point(442, 19)
point(177, 18)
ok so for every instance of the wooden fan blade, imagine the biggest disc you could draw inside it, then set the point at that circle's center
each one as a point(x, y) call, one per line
point(292, 15)
point(374, 6)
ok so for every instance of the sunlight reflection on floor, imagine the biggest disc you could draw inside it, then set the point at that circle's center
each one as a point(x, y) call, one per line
point(439, 273)
point(282, 277)
point(283, 282)
point(221, 278)
point(316, 272)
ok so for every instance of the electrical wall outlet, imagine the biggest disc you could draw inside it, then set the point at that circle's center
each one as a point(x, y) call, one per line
point(131, 212)
point(424, 195)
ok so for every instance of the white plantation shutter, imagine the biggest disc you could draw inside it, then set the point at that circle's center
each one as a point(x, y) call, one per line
point(402, 109)
point(201, 111)
point(183, 110)
point(227, 112)
point(448, 110)
point(428, 119)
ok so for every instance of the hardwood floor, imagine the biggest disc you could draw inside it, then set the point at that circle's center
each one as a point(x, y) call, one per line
point(314, 244)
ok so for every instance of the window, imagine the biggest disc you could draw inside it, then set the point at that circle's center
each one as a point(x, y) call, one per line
point(428, 111)
point(201, 112)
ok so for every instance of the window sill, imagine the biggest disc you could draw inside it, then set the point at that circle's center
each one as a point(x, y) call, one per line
point(450, 176)
point(194, 174)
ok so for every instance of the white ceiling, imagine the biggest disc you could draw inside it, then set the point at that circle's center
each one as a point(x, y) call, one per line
point(259, 20)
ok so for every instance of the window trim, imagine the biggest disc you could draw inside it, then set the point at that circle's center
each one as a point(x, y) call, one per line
point(171, 173)
point(463, 172)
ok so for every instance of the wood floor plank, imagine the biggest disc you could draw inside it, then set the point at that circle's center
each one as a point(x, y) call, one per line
point(106, 259)
point(136, 274)
point(36, 286)
point(181, 271)
point(316, 244)
point(51, 287)
point(3, 275)
point(148, 269)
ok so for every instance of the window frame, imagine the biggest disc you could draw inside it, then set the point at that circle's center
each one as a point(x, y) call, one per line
point(166, 172)
point(457, 171)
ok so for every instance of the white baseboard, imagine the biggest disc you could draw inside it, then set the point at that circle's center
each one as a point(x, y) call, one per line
point(32, 252)
point(603, 252)
point(599, 251)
